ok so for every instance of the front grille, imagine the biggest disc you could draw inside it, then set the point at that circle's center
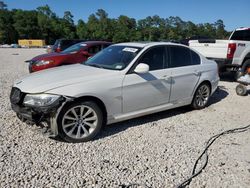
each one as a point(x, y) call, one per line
point(15, 95)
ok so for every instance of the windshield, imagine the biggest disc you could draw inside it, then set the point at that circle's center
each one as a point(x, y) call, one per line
point(74, 48)
point(114, 57)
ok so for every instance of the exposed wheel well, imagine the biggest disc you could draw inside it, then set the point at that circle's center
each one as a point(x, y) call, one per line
point(97, 101)
point(246, 58)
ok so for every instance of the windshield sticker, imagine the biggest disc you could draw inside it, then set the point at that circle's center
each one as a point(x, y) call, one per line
point(118, 66)
point(133, 50)
point(83, 44)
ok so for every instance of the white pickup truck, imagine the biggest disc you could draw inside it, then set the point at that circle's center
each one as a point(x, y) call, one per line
point(231, 55)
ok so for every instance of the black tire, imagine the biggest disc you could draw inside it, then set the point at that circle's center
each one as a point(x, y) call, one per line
point(245, 66)
point(65, 112)
point(198, 102)
point(238, 74)
point(241, 90)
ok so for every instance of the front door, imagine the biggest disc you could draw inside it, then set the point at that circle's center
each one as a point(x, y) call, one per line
point(141, 91)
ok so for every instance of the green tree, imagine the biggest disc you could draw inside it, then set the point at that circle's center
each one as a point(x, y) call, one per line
point(43, 23)
point(105, 31)
point(25, 24)
point(100, 26)
point(81, 30)
point(67, 25)
point(125, 29)
point(220, 29)
point(45, 18)
point(8, 33)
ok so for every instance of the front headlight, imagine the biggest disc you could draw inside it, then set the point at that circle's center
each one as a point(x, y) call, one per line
point(43, 62)
point(40, 99)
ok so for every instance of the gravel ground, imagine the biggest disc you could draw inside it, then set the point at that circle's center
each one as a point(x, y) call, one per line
point(157, 150)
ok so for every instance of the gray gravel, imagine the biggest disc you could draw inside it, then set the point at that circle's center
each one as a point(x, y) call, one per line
point(157, 150)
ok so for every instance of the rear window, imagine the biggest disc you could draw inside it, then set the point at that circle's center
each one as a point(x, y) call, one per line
point(241, 35)
point(67, 43)
point(75, 48)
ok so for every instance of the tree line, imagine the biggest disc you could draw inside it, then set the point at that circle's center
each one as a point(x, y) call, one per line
point(43, 23)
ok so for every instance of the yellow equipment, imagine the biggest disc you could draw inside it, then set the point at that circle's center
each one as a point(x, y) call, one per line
point(31, 43)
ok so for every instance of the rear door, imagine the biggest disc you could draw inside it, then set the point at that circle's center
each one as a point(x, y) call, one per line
point(185, 67)
point(141, 91)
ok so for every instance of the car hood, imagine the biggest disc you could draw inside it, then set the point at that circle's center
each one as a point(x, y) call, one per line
point(44, 81)
point(48, 56)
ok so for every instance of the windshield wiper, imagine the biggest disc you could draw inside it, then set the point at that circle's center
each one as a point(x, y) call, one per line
point(95, 65)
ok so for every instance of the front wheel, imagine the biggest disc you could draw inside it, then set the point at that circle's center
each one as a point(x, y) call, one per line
point(80, 121)
point(201, 96)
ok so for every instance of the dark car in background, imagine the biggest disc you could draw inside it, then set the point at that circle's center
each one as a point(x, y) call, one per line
point(200, 38)
point(77, 53)
point(62, 44)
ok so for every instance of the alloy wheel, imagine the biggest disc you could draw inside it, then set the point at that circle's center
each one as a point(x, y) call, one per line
point(79, 121)
point(202, 95)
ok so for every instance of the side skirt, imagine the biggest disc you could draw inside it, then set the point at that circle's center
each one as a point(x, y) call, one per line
point(139, 113)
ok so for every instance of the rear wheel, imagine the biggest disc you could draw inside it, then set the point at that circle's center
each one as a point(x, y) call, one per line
point(246, 65)
point(243, 70)
point(80, 122)
point(201, 96)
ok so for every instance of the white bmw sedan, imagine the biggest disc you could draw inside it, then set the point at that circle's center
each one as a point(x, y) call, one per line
point(123, 81)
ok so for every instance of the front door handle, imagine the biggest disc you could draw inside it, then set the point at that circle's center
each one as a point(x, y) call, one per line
point(166, 77)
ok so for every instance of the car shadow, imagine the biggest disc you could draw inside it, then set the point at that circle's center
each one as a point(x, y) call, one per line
point(113, 129)
point(220, 94)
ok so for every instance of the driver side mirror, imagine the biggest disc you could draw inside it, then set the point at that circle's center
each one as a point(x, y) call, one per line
point(141, 68)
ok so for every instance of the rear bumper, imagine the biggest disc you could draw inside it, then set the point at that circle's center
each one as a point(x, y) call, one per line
point(214, 84)
point(225, 64)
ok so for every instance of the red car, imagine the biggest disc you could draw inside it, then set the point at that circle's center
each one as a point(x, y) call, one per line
point(77, 53)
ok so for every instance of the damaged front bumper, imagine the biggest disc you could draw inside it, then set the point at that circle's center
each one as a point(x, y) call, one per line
point(43, 117)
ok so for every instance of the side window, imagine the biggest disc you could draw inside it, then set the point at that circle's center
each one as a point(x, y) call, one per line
point(241, 35)
point(154, 58)
point(247, 36)
point(105, 46)
point(94, 49)
point(66, 43)
point(180, 56)
point(196, 60)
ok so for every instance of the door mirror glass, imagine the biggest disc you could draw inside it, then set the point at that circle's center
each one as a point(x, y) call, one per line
point(141, 68)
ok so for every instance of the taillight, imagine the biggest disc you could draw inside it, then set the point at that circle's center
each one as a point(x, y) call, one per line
point(230, 51)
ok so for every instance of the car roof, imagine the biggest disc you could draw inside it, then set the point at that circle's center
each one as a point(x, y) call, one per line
point(96, 42)
point(243, 28)
point(146, 44)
